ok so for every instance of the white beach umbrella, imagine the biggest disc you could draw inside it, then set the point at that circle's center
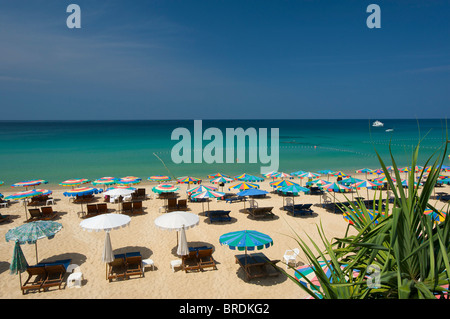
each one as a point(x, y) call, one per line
point(183, 248)
point(119, 192)
point(177, 221)
point(106, 222)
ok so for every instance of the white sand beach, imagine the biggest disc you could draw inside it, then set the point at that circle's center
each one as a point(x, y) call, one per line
point(228, 281)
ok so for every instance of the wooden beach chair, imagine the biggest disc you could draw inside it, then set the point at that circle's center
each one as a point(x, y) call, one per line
point(91, 210)
point(55, 276)
point(182, 204)
point(205, 259)
point(133, 263)
point(102, 208)
point(127, 207)
point(48, 213)
point(261, 212)
point(172, 204)
point(36, 277)
point(141, 193)
point(117, 268)
point(35, 214)
point(137, 208)
point(190, 261)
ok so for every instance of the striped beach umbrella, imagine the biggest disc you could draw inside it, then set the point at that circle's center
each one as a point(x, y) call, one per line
point(335, 187)
point(445, 181)
point(206, 195)
point(189, 180)
point(317, 182)
point(129, 180)
point(31, 232)
point(159, 178)
point(18, 262)
point(350, 180)
point(282, 183)
point(243, 185)
point(121, 187)
point(270, 174)
point(221, 179)
point(248, 178)
point(201, 188)
point(29, 183)
point(340, 174)
point(217, 175)
point(309, 175)
point(297, 173)
point(376, 171)
point(75, 182)
point(165, 188)
point(105, 181)
point(246, 240)
point(24, 195)
point(437, 217)
point(82, 191)
point(293, 189)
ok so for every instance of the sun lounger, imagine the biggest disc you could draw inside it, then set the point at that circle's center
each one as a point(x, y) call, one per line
point(48, 213)
point(257, 265)
point(190, 261)
point(205, 259)
point(300, 209)
point(141, 193)
point(218, 215)
point(127, 207)
point(260, 212)
point(133, 263)
point(35, 214)
point(182, 205)
point(102, 208)
point(137, 207)
point(234, 199)
point(172, 204)
point(36, 277)
point(117, 268)
point(55, 273)
point(91, 210)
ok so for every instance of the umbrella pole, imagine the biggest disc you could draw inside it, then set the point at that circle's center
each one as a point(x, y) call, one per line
point(35, 245)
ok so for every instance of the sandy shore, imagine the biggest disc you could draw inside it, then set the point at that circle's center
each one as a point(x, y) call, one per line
point(228, 281)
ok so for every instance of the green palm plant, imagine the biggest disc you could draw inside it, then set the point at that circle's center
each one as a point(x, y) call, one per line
point(409, 251)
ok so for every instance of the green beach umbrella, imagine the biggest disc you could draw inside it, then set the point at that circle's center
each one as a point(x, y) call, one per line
point(18, 263)
point(246, 240)
point(30, 233)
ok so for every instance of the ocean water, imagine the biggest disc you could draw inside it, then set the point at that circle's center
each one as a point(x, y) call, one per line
point(60, 150)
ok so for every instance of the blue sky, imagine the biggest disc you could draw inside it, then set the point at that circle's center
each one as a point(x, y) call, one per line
point(230, 59)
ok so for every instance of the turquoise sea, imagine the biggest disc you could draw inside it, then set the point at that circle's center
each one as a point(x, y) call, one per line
point(60, 150)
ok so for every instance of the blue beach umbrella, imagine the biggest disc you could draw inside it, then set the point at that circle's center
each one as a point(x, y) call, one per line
point(252, 192)
point(248, 178)
point(30, 233)
point(246, 240)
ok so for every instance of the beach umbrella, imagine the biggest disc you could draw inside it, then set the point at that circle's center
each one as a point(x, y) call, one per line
point(159, 178)
point(317, 182)
point(340, 174)
point(367, 185)
point(183, 248)
point(116, 192)
point(74, 182)
point(31, 232)
point(106, 223)
point(282, 175)
point(129, 180)
point(201, 188)
point(327, 172)
point(18, 263)
point(29, 183)
point(309, 175)
point(298, 173)
point(246, 240)
point(189, 180)
point(445, 181)
point(363, 170)
point(376, 171)
point(270, 174)
point(436, 216)
point(221, 179)
point(1, 183)
point(105, 181)
point(82, 191)
point(165, 188)
point(207, 194)
point(22, 196)
point(335, 188)
point(243, 186)
point(177, 221)
point(293, 189)
point(282, 183)
point(251, 192)
point(350, 180)
point(306, 275)
point(217, 175)
point(248, 178)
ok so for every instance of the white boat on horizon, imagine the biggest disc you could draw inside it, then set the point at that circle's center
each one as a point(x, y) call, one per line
point(378, 124)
